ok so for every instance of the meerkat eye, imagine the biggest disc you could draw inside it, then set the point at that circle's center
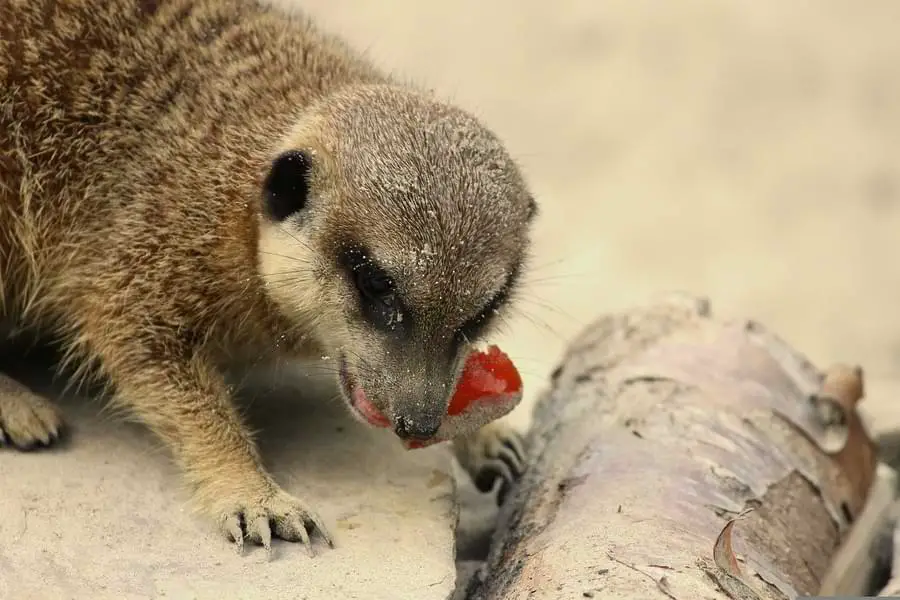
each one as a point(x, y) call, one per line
point(475, 327)
point(373, 284)
point(286, 186)
point(378, 299)
point(375, 287)
point(471, 329)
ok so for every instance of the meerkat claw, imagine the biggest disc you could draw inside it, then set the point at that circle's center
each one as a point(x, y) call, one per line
point(497, 452)
point(281, 516)
point(490, 472)
point(514, 447)
point(258, 528)
point(507, 449)
point(231, 525)
point(292, 527)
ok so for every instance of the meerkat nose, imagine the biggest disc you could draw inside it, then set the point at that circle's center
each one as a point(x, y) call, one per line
point(408, 429)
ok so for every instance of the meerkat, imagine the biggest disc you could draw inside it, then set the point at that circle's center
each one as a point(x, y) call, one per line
point(188, 184)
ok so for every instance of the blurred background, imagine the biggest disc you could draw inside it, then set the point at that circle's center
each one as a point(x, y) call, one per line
point(749, 151)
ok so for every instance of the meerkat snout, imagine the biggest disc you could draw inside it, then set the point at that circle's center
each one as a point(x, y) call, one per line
point(407, 428)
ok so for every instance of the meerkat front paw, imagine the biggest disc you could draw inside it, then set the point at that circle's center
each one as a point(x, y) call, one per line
point(27, 421)
point(273, 512)
point(495, 452)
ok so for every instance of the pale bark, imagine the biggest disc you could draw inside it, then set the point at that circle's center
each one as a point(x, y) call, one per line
point(660, 426)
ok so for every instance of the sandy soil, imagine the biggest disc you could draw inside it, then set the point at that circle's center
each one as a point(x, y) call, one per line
point(744, 150)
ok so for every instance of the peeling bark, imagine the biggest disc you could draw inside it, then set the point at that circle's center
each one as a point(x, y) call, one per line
point(661, 425)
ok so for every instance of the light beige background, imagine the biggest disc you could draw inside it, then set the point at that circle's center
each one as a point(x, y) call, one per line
point(744, 150)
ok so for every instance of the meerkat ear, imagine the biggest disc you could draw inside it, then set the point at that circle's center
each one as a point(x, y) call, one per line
point(286, 186)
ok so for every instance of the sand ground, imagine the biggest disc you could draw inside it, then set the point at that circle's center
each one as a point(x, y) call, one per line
point(744, 150)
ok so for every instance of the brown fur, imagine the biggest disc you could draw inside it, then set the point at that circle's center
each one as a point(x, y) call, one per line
point(134, 139)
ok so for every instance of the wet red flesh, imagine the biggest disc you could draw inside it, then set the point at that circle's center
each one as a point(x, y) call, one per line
point(486, 374)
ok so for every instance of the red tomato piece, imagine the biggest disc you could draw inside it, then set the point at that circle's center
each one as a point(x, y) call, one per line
point(489, 373)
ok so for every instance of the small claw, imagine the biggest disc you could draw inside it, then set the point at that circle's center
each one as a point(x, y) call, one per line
point(292, 528)
point(503, 487)
point(232, 526)
point(502, 490)
point(516, 446)
point(490, 472)
point(259, 532)
point(304, 537)
point(323, 531)
point(265, 535)
point(512, 460)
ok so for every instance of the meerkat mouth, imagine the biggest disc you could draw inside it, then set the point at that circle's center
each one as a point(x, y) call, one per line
point(356, 398)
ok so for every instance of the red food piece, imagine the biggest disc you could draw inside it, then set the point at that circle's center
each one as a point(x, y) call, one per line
point(485, 374)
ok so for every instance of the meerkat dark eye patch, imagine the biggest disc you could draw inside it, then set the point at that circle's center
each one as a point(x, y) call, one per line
point(474, 327)
point(286, 186)
point(471, 329)
point(378, 299)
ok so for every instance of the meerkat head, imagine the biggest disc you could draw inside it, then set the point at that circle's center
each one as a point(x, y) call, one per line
point(394, 229)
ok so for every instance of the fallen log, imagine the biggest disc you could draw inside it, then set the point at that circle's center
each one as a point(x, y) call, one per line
point(679, 456)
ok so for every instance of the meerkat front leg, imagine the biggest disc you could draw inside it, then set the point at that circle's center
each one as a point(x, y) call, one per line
point(494, 452)
point(187, 404)
point(27, 420)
